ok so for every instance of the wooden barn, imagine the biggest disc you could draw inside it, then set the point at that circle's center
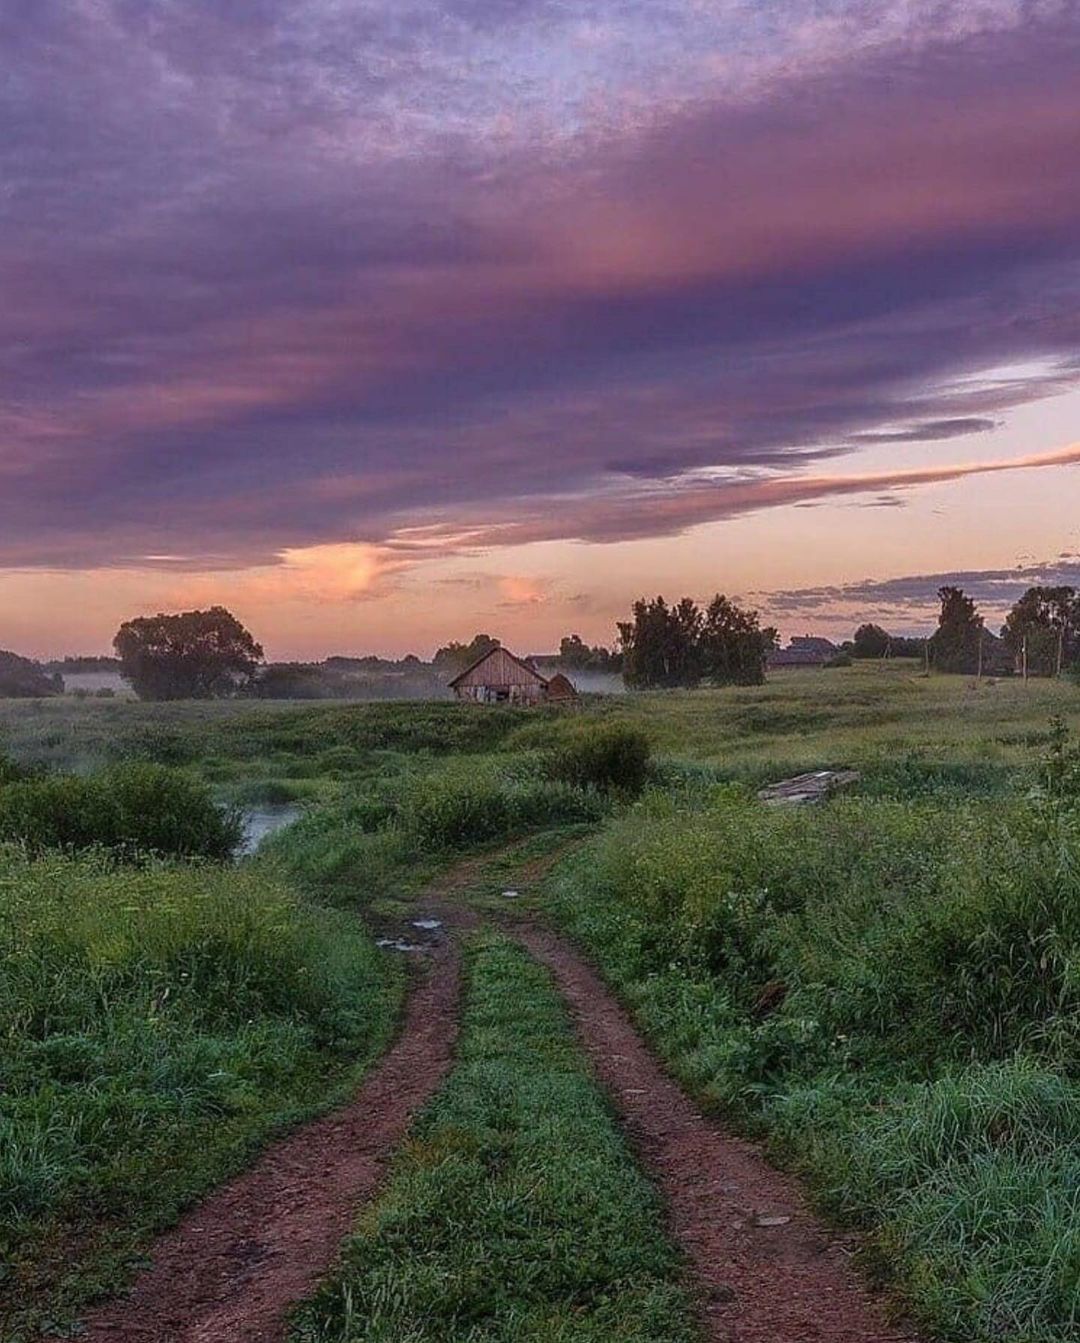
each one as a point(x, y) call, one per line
point(501, 678)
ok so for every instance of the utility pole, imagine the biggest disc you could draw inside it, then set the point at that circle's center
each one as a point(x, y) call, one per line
point(978, 668)
point(1023, 656)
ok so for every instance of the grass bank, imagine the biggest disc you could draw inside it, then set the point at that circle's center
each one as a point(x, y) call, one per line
point(515, 1214)
point(159, 1023)
point(888, 991)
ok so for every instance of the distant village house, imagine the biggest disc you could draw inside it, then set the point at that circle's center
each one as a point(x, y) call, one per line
point(501, 678)
point(804, 650)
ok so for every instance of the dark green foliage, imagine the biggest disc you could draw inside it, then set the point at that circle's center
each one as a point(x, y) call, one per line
point(363, 840)
point(1044, 628)
point(22, 679)
point(455, 810)
point(961, 634)
point(454, 657)
point(516, 1212)
point(870, 641)
point(603, 757)
point(193, 655)
point(682, 645)
point(137, 808)
point(576, 655)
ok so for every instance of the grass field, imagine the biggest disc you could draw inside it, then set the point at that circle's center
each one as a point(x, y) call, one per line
point(886, 988)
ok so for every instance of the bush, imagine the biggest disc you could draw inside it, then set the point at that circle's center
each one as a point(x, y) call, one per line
point(603, 757)
point(133, 808)
point(447, 811)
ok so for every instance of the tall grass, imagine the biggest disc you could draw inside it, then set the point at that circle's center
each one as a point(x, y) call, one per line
point(890, 992)
point(399, 827)
point(157, 1021)
point(135, 809)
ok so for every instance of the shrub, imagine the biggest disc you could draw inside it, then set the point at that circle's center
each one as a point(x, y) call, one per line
point(452, 811)
point(133, 808)
point(603, 757)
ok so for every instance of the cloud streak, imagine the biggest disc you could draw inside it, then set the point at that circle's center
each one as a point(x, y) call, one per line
point(282, 276)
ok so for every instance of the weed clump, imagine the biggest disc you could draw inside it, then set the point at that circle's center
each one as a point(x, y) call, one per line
point(133, 809)
point(605, 757)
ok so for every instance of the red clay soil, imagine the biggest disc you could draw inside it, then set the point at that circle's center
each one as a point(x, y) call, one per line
point(231, 1270)
point(770, 1271)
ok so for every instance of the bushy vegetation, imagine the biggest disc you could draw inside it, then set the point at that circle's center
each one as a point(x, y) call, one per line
point(136, 809)
point(888, 989)
point(397, 827)
point(157, 1022)
point(606, 757)
point(22, 679)
point(516, 1211)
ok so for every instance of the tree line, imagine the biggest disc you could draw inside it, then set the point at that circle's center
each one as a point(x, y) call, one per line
point(210, 654)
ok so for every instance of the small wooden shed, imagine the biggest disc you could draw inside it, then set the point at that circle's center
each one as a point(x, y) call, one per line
point(561, 690)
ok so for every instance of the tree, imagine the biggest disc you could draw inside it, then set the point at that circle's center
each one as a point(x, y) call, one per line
point(733, 644)
point(576, 655)
point(455, 657)
point(955, 646)
point(681, 645)
point(870, 641)
point(659, 644)
point(192, 655)
point(1045, 625)
point(22, 679)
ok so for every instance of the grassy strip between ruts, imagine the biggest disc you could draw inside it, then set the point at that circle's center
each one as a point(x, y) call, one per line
point(160, 1023)
point(516, 1213)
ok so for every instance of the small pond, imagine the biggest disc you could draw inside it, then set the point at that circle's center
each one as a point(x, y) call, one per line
point(259, 822)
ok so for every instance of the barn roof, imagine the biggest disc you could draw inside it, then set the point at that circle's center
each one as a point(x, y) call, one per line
point(492, 652)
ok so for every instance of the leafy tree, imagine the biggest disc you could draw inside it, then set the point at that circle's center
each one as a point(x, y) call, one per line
point(192, 655)
point(1048, 620)
point(22, 679)
point(576, 655)
point(871, 641)
point(660, 644)
point(454, 657)
point(733, 644)
point(682, 645)
point(955, 645)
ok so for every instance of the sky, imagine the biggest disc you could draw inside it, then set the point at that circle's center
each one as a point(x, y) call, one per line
point(382, 322)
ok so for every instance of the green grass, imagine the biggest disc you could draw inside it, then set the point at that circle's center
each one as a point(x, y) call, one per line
point(158, 1024)
point(889, 991)
point(515, 1214)
point(398, 829)
point(871, 715)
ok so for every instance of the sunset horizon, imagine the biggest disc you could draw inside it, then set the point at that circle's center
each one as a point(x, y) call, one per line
point(387, 327)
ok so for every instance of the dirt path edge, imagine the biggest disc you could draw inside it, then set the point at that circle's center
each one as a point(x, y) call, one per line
point(232, 1269)
point(768, 1269)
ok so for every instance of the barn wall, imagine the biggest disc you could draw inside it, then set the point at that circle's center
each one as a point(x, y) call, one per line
point(498, 670)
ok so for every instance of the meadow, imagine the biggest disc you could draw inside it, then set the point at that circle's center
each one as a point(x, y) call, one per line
point(884, 989)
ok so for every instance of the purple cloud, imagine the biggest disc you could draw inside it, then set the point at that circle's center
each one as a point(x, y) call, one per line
point(281, 274)
point(913, 597)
